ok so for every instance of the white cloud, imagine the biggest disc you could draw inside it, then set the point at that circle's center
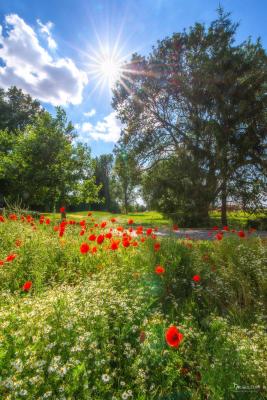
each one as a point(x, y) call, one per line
point(108, 129)
point(90, 113)
point(31, 67)
point(46, 30)
point(87, 127)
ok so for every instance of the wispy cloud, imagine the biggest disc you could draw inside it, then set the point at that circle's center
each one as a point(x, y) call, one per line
point(46, 30)
point(108, 129)
point(32, 68)
point(90, 113)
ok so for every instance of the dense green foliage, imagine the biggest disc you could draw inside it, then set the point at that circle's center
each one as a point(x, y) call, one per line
point(40, 166)
point(195, 120)
point(93, 325)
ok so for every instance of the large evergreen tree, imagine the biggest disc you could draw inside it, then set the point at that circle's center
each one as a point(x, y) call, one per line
point(201, 98)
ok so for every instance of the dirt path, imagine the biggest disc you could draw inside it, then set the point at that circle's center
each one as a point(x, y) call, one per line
point(199, 234)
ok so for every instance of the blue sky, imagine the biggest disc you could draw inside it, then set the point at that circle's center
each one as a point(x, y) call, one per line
point(48, 48)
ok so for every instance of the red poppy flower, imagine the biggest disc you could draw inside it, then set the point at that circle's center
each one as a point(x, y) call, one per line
point(226, 228)
point(241, 234)
point(94, 250)
point(175, 227)
point(173, 336)
point(82, 223)
point(149, 231)
point(11, 257)
point(13, 217)
point(126, 243)
point(103, 224)
point(92, 238)
point(2, 219)
point(219, 236)
point(27, 285)
point(1, 262)
point(130, 222)
point(82, 232)
point(114, 246)
point(120, 229)
point(159, 270)
point(139, 230)
point(215, 228)
point(196, 278)
point(96, 225)
point(156, 246)
point(113, 220)
point(47, 221)
point(100, 239)
point(62, 210)
point(143, 239)
point(61, 232)
point(135, 244)
point(84, 248)
point(108, 235)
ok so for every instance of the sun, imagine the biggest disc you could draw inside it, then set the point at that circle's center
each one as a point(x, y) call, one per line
point(105, 67)
point(110, 68)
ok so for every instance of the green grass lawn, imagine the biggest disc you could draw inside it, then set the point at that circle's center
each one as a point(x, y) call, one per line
point(236, 219)
point(151, 218)
point(89, 313)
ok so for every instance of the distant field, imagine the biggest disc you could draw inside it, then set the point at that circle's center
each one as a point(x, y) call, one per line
point(236, 219)
point(145, 218)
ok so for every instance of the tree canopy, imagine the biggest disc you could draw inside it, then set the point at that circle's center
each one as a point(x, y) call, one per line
point(200, 99)
point(40, 165)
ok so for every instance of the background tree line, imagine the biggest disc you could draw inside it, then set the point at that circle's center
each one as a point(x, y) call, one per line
point(42, 167)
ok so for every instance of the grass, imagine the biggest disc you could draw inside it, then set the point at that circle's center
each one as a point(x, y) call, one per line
point(92, 326)
point(236, 219)
point(147, 218)
point(239, 219)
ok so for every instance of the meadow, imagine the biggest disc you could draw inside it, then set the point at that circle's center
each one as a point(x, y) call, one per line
point(236, 219)
point(98, 307)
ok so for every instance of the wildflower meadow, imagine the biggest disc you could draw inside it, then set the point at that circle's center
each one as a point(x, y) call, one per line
point(92, 309)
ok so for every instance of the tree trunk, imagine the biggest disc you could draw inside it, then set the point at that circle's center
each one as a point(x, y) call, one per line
point(125, 203)
point(224, 203)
